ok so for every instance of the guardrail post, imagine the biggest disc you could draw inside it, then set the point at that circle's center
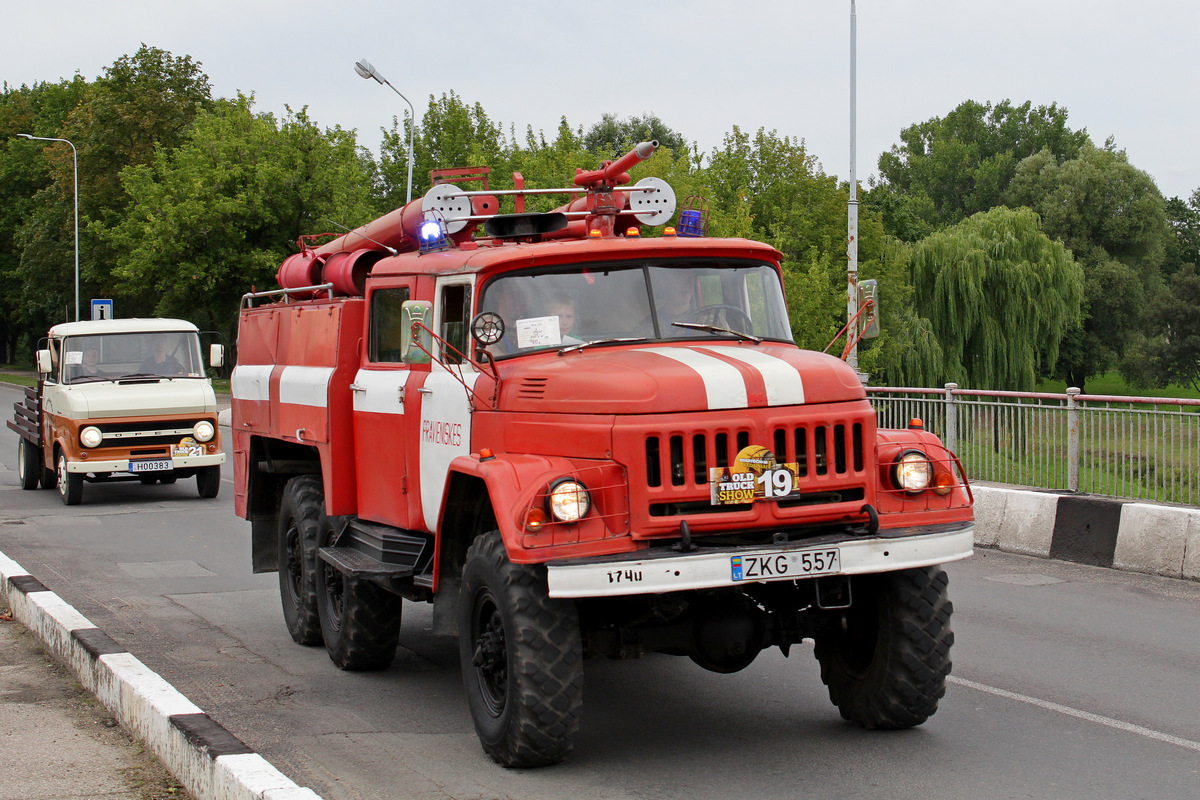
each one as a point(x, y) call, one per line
point(1072, 440)
point(951, 419)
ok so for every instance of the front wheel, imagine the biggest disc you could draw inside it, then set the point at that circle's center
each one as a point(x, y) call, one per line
point(70, 484)
point(29, 464)
point(208, 481)
point(886, 660)
point(522, 658)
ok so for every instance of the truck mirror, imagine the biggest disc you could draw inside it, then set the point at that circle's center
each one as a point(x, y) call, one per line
point(868, 322)
point(416, 343)
point(44, 365)
point(216, 355)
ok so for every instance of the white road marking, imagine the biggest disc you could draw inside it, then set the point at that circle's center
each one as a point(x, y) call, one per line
point(1120, 725)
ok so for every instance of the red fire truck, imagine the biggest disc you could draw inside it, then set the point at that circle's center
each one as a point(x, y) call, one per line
point(578, 442)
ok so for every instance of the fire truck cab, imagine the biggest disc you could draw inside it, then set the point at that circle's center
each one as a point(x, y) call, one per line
point(577, 442)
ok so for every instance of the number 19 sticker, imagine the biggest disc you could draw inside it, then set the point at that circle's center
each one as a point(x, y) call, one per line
point(754, 475)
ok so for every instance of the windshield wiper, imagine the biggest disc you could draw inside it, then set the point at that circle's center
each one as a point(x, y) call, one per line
point(88, 379)
point(141, 375)
point(572, 348)
point(718, 329)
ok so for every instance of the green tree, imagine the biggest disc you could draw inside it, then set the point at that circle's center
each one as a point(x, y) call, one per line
point(948, 168)
point(1183, 246)
point(1173, 354)
point(611, 138)
point(140, 103)
point(25, 175)
point(1112, 217)
point(999, 294)
point(218, 214)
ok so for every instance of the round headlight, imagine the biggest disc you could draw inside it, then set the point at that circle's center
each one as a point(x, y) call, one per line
point(913, 472)
point(569, 500)
point(91, 436)
point(203, 430)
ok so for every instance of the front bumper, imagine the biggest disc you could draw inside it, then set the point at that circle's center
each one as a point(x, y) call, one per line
point(122, 464)
point(710, 567)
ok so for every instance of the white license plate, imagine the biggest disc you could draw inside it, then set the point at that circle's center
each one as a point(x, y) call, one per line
point(151, 465)
point(786, 566)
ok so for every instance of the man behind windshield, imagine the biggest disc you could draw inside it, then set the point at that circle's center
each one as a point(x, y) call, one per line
point(160, 362)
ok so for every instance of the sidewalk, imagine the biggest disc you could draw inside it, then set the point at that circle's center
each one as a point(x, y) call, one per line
point(57, 741)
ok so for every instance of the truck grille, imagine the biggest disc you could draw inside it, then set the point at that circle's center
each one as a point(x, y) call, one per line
point(148, 433)
point(820, 450)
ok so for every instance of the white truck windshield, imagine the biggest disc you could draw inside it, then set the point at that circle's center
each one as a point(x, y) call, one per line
point(114, 356)
point(654, 301)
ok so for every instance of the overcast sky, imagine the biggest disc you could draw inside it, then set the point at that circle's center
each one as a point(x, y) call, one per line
point(1122, 69)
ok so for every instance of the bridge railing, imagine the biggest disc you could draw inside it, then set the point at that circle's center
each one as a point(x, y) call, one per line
point(1136, 447)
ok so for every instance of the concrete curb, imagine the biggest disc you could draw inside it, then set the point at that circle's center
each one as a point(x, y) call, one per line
point(208, 760)
point(1123, 534)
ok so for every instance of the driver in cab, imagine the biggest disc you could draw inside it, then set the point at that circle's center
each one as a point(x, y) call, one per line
point(160, 362)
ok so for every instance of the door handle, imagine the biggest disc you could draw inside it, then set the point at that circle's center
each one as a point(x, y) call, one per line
point(424, 390)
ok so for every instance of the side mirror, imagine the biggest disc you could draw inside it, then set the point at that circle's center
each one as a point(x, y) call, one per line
point(44, 365)
point(868, 322)
point(416, 344)
point(216, 355)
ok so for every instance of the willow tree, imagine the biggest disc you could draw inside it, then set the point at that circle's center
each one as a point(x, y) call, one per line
point(1000, 295)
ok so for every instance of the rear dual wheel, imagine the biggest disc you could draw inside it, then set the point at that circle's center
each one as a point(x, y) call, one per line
point(301, 519)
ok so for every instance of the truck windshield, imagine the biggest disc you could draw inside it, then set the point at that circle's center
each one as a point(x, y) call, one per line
point(149, 354)
point(597, 302)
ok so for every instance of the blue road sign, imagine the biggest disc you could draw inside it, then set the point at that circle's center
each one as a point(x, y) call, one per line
point(102, 309)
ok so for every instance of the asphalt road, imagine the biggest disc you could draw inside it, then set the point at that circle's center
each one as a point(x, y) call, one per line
point(1069, 681)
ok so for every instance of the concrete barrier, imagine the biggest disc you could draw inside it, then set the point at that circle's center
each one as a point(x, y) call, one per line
point(1124, 534)
point(209, 761)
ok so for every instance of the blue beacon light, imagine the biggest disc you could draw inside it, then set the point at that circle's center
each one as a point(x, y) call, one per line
point(431, 236)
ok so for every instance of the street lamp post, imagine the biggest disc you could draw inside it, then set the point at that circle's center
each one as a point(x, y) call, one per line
point(75, 154)
point(365, 70)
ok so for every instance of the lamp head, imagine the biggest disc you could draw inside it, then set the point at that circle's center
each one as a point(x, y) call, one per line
point(365, 70)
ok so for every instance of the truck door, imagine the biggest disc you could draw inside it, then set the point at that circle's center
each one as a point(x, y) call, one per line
point(443, 408)
point(383, 416)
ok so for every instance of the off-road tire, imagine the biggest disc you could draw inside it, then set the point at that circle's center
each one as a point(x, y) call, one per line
point(168, 478)
point(301, 519)
point(522, 658)
point(70, 484)
point(29, 464)
point(886, 663)
point(147, 480)
point(360, 620)
point(208, 481)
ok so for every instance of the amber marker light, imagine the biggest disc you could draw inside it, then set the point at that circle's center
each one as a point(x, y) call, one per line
point(633, 232)
point(535, 518)
point(668, 231)
point(594, 233)
point(943, 484)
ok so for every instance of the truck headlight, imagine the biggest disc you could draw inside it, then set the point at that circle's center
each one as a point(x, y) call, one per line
point(568, 500)
point(91, 436)
point(912, 472)
point(203, 430)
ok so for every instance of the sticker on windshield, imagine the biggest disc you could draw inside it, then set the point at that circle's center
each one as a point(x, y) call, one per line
point(754, 475)
point(74, 357)
point(538, 332)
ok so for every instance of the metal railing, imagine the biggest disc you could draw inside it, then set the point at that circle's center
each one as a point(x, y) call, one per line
point(1137, 447)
